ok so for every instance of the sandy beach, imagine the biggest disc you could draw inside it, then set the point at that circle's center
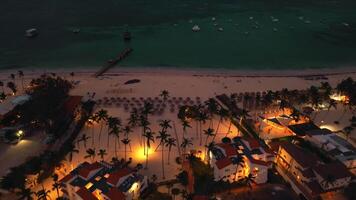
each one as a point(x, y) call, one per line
point(192, 84)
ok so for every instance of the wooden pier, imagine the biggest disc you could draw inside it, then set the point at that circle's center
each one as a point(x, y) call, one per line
point(113, 62)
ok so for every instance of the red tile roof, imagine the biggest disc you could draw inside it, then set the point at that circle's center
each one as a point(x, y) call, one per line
point(228, 148)
point(222, 163)
point(71, 103)
point(259, 162)
point(85, 170)
point(115, 176)
point(115, 194)
point(66, 178)
point(253, 143)
point(337, 170)
point(305, 159)
point(85, 194)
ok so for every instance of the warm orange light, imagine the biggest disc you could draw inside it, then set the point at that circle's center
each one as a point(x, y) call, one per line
point(140, 155)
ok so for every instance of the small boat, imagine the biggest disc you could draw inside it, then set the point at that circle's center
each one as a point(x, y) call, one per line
point(77, 30)
point(190, 21)
point(275, 20)
point(213, 19)
point(31, 33)
point(196, 28)
point(301, 18)
point(251, 18)
point(345, 24)
point(220, 29)
point(307, 22)
point(127, 36)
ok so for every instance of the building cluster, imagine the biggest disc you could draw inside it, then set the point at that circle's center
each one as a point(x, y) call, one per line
point(236, 160)
point(103, 181)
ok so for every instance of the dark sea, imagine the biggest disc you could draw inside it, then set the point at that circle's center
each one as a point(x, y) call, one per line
point(254, 34)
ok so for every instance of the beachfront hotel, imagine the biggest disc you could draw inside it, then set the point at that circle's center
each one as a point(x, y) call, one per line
point(236, 160)
point(102, 181)
point(308, 176)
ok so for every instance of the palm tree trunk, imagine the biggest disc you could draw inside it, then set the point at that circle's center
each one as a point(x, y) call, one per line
point(101, 128)
point(197, 129)
point(92, 136)
point(228, 130)
point(177, 139)
point(217, 129)
point(200, 133)
point(146, 159)
point(125, 151)
point(163, 177)
point(115, 147)
point(169, 154)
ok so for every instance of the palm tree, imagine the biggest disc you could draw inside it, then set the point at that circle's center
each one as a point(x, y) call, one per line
point(126, 142)
point(90, 154)
point(163, 136)
point(101, 116)
point(223, 113)
point(209, 133)
point(185, 143)
point(243, 115)
point(2, 96)
point(249, 180)
point(329, 181)
point(43, 194)
point(72, 150)
point(56, 186)
point(112, 122)
point(115, 131)
point(12, 87)
point(147, 108)
point(202, 117)
point(149, 135)
point(84, 138)
point(21, 75)
point(185, 125)
point(213, 108)
point(90, 122)
point(170, 143)
point(102, 153)
point(134, 118)
point(144, 123)
point(164, 94)
point(25, 194)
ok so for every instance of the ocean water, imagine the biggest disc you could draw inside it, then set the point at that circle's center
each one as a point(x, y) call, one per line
point(257, 34)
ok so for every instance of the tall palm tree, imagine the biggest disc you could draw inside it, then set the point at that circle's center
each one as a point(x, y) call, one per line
point(185, 125)
point(165, 124)
point(249, 180)
point(163, 136)
point(126, 142)
point(147, 108)
point(43, 194)
point(170, 143)
point(72, 150)
point(186, 143)
point(112, 122)
point(213, 108)
point(25, 194)
point(101, 116)
point(134, 118)
point(115, 131)
point(56, 186)
point(12, 87)
point(144, 123)
point(223, 113)
point(84, 138)
point(90, 123)
point(149, 135)
point(102, 153)
point(21, 75)
point(90, 154)
point(202, 117)
point(164, 94)
point(209, 133)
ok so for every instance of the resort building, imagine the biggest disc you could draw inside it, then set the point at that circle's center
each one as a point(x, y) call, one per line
point(334, 146)
point(308, 175)
point(101, 180)
point(236, 160)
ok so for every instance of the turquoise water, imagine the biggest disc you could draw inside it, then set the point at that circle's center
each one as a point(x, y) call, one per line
point(306, 34)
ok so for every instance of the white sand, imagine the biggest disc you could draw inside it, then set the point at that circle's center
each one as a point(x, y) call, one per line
point(179, 84)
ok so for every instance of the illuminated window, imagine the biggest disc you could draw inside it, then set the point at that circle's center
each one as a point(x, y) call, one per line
point(88, 185)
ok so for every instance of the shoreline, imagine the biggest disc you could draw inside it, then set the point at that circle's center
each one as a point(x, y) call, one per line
point(201, 72)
